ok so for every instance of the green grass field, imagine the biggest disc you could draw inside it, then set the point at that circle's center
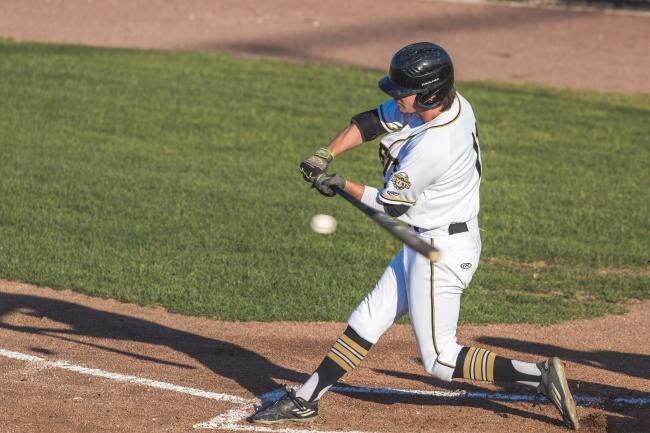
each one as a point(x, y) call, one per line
point(172, 179)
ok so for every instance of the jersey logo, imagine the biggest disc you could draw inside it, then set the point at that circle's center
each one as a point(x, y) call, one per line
point(387, 160)
point(401, 180)
point(466, 265)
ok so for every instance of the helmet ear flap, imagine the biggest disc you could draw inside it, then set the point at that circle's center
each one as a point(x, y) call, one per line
point(428, 100)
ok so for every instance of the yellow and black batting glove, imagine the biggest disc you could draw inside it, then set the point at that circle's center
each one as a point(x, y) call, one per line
point(316, 164)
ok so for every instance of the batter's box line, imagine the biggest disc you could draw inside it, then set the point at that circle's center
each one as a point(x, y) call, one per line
point(581, 400)
point(232, 420)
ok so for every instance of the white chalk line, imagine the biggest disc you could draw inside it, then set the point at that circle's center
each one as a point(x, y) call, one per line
point(122, 377)
point(231, 420)
point(227, 421)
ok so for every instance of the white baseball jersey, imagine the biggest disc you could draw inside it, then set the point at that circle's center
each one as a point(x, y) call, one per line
point(434, 167)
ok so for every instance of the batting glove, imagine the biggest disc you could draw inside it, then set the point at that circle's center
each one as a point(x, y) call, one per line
point(316, 164)
point(325, 183)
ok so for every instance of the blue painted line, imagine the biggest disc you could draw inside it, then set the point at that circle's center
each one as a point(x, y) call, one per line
point(581, 400)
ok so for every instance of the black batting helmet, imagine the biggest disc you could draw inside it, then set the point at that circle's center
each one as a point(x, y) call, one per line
point(423, 68)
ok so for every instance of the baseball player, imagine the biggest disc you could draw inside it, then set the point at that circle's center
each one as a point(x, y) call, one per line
point(432, 170)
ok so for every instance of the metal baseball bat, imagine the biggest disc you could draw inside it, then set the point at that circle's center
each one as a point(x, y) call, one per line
point(393, 227)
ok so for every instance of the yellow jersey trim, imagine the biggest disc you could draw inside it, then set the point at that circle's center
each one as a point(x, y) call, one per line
point(399, 200)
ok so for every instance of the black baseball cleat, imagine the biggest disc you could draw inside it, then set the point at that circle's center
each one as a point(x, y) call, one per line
point(555, 387)
point(288, 409)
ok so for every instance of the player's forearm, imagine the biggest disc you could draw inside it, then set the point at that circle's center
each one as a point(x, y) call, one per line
point(354, 189)
point(347, 139)
point(365, 194)
point(370, 197)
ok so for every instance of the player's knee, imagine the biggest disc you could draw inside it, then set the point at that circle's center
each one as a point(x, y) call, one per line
point(440, 371)
point(444, 363)
point(369, 331)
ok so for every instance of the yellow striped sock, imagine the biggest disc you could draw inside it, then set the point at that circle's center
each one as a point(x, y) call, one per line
point(347, 353)
point(478, 364)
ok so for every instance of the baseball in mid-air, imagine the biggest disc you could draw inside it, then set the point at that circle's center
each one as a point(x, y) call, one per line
point(323, 224)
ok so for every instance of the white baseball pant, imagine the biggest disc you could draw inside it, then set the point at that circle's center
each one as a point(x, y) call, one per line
point(429, 292)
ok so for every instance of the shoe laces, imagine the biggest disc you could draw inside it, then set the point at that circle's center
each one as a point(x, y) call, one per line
point(296, 400)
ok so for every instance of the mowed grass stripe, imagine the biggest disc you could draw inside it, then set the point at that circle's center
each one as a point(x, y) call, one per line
point(172, 179)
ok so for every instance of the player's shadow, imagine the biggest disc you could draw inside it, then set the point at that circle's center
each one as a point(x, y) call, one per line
point(623, 418)
point(249, 369)
point(631, 364)
point(494, 406)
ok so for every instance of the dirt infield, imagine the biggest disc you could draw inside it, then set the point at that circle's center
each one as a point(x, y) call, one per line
point(591, 49)
point(231, 363)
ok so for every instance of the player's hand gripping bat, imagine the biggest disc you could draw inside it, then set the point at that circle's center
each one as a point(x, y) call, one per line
point(393, 227)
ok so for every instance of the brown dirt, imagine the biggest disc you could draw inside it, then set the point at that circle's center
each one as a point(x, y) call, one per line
point(581, 49)
point(608, 356)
